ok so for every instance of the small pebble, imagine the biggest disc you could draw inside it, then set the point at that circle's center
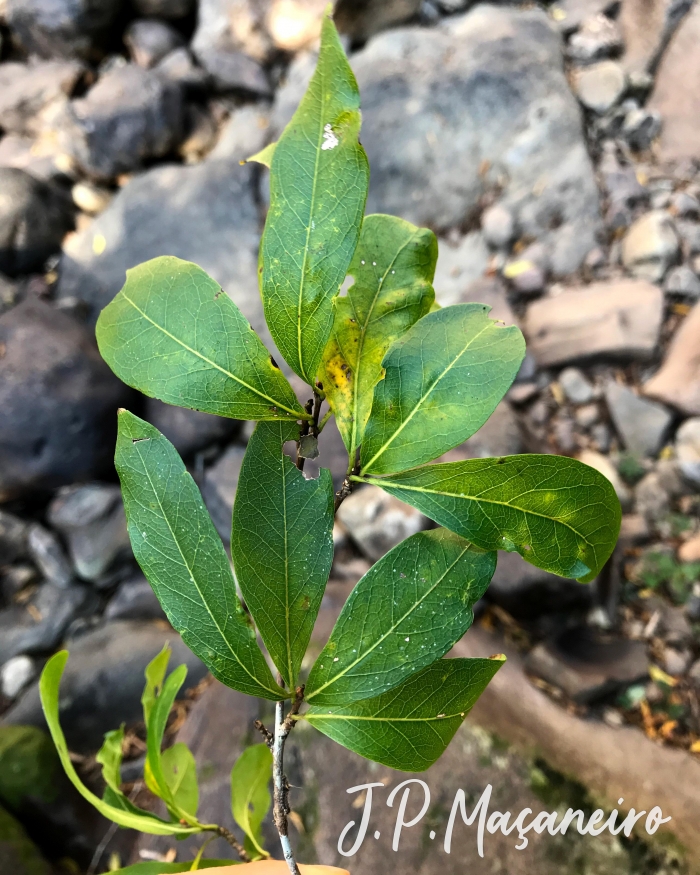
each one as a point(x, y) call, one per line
point(16, 674)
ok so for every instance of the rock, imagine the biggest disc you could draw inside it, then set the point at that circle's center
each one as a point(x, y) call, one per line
point(525, 277)
point(376, 522)
point(15, 675)
point(233, 25)
point(633, 529)
point(27, 91)
point(150, 40)
point(682, 281)
point(61, 28)
point(527, 592)
point(498, 226)
point(235, 71)
point(677, 382)
point(91, 518)
point(571, 14)
point(219, 489)
point(39, 626)
point(361, 19)
point(676, 95)
point(587, 665)
point(34, 217)
point(587, 415)
point(650, 246)
point(134, 600)
point(647, 26)
point(204, 213)
point(600, 86)
point(694, 673)
point(129, 116)
point(9, 294)
point(18, 854)
point(460, 268)
point(675, 627)
point(642, 424)
point(296, 24)
point(41, 158)
point(103, 681)
point(482, 99)
point(179, 67)
point(576, 386)
point(59, 401)
point(690, 235)
point(676, 662)
point(688, 449)
point(167, 9)
point(92, 199)
point(689, 551)
point(598, 37)
point(48, 556)
point(652, 501)
point(189, 430)
point(640, 128)
point(13, 538)
point(604, 466)
point(685, 205)
point(618, 319)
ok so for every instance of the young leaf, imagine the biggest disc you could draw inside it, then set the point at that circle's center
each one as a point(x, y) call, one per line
point(109, 757)
point(180, 773)
point(409, 727)
point(181, 554)
point(250, 797)
point(393, 267)
point(318, 187)
point(132, 817)
point(154, 868)
point(173, 334)
point(406, 612)
point(444, 378)
point(281, 544)
point(559, 514)
point(155, 675)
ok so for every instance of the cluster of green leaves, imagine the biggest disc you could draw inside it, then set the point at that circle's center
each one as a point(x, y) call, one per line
point(406, 381)
point(169, 774)
point(659, 570)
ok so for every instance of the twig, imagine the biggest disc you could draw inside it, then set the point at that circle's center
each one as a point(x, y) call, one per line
point(265, 732)
point(305, 428)
point(233, 841)
point(283, 726)
point(348, 485)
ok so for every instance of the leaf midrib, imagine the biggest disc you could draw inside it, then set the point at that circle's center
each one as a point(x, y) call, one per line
point(196, 585)
point(389, 631)
point(297, 414)
point(311, 717)
point(420, 401)
point(377, 481)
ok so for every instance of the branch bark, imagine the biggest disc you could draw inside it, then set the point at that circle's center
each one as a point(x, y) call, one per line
point(283, 726)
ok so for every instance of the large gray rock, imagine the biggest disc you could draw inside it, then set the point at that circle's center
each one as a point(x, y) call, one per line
point(34, 217)
point(61, 28)
point(58, 401)
point(103, 681)
point(619, 319)
point(38, 627)
point(204, 213)
point(129, 116)
point(641, 423)
point(219, 489)
point(188, 430)
point(651, 246)
point(149, 41)
point(361, 19)
point(28, 90)
point(450, 113)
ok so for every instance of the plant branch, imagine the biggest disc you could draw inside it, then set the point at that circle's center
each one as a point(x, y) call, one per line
point(305, 429)
point(265, 732)
point(348, 485)
point(283, 726)
point(233, 841)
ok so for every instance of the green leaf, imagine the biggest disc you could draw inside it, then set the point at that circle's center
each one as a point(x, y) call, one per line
point(318, 187)
point(281, 544)
point(155, 675)
point(409, 727)
point(264, 156)
point(133, 817)
point(406, 612)
point(173, 334)
point(444, 378)
point(155, 868)
point(181, 554)
point(180, 773)
point(250, 797)
point(559, 514)
point(393, 267)
point(109, 756)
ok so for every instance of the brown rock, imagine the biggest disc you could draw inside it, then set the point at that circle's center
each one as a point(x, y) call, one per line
point(677, 382)
point(677, 92)
point(618, 319)
point(690, 550)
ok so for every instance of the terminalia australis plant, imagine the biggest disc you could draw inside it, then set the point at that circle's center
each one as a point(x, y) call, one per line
point(406, 381)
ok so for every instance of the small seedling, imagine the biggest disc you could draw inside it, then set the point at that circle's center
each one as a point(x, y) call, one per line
point(406, 381)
